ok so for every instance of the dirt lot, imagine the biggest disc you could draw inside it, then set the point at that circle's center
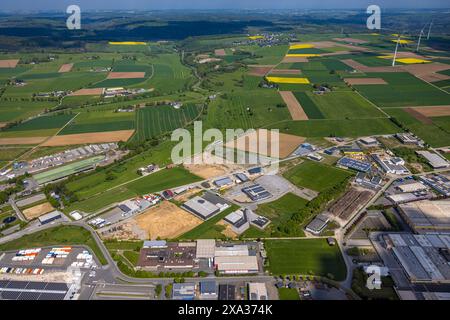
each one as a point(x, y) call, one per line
point(294, 106)
point(165, 221)
point(95, 137)
point(419, 116)
point(27, 140)
point(66, 68)
point(126, 75)
point(294, 59)
point(37, 211)
point(88, 92)
point(187, 195)
point(220, 52)
point(228, 231)
point(209, 166)
point(434, 77)
point(364, 81)
point(286, 71)
point(435, 111)
point(259, 71)
point(287, 143)
point(12, 63)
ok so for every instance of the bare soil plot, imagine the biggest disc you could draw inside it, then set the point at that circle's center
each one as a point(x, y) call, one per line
point(259, 71)
point(364, 81)
point(209, 166)
point(352, 201)
point(424, 69)
point(88, 92)
point(434, 77)
point(3, 124)
point(433, 111)
point(126, 75)
point(228, 231)
point(250, 142)
point(286, 71)
point(419, 116)
point(294, 59)
point(166, 221)
point(325, 44)
point(220, 52)
point(337, 53)
point(37, 211)
point(27, 140)
point(94, 137)
point(351, 40)
point(66, 68)
point(187, 195)
point(294, 106)
point(11, 63)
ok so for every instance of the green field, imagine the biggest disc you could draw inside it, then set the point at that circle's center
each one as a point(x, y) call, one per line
point(305, 257)
point(62, 235)
point(288, 294)
point(316, 176)
point(66, 170)
point(403, 90)
point(43, 123)
point(338, 128)
point(156, 120)
point(100, 121)
point(279, 212)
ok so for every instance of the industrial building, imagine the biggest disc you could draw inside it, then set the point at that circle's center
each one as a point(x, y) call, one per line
point(238, 221)
point(407, 138)
point(369, 142)
point(206, 206)
point(406, 197)
point(205, 248)
point(257, 291)
point(253, 171)
point(183, 291)
point(49, 217)
point(435, 160)
point(424, 258)
point(256, 192)
point(427, 216)
point(227, 292)
point(241, 177)
point(256, 220)
point(318, 224)
point(357, 165)
point(438, 182)
point(235, 259)
point(412, 187)
point(236, 264)
point(174, 256)
point(208, 290)
point(223, 182)
point(390, 165)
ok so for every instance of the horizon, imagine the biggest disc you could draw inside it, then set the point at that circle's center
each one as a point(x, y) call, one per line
point(205, 5)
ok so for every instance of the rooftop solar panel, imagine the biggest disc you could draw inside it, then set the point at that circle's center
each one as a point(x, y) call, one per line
point(51, 296)
point(29, 295)
point(3, 283)
point(9, 295)
point(36, 285)
point(17, 284)
point(56, 286)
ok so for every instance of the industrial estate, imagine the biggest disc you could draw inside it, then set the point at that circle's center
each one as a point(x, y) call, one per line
point(92, 206)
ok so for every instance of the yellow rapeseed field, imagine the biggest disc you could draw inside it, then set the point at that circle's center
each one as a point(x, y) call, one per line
point(301, 46)
point(288, 80)
point(127, 43)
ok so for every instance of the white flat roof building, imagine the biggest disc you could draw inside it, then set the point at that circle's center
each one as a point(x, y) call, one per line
point(435, 160)
point(412, 187)
point(257, 291)
point(205, 248)
point(235, 250)
point(236, 264)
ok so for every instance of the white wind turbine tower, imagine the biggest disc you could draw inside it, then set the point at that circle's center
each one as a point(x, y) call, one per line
point(420, 37)
point(429, 30)
point(396, 49)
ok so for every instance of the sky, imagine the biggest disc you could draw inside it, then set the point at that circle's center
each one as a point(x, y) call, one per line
point(44, 5)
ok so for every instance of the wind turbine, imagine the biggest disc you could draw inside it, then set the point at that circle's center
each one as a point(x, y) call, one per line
point(396, 49)
point(429, 30)
point(420, 37)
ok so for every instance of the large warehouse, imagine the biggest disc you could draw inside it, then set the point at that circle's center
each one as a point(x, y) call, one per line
point(427, 216)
